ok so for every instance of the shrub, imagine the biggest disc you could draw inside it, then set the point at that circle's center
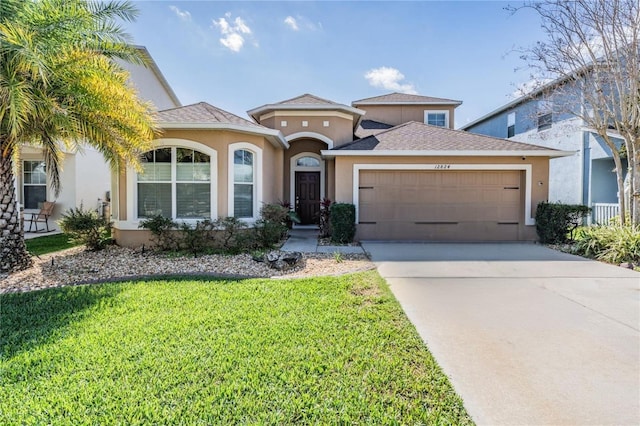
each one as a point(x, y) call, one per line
point(342, 219)
point(613, 244)
point(233, 234)
point(272, 225)
point(196, 239)
point(86, 227)
point(556, 222)
point(163, 231)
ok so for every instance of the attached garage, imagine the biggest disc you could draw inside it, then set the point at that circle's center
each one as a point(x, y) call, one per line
point(447, 205)
point(417, 182)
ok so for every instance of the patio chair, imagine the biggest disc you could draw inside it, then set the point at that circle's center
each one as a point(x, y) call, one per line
point(41, 217)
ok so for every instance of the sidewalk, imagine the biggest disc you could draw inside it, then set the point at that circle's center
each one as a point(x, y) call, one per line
point(306, 241)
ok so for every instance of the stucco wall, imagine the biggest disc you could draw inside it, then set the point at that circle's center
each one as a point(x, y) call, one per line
point(271, 177)
point(340, 129)
point(399, 114)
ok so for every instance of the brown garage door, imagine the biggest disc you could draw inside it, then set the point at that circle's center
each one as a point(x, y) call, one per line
point(439, 205)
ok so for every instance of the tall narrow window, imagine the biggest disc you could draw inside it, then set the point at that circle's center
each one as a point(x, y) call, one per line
point(243, 183)
point(193, 188)
point(175, 183)
point(34, 183)
point(511, 124)
point(154, 184)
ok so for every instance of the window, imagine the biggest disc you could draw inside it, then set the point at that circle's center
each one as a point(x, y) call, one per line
point(437, 118)
point(511, 125)
point(544, 121)
point(34, 183)
point(175, 183)
point(243, 183)
point(545, 114)
point(308, 162)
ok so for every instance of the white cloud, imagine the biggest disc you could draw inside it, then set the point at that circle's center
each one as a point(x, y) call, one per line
point(233, 31)
point(184, 15)
point(292, 23)
point(389, 79)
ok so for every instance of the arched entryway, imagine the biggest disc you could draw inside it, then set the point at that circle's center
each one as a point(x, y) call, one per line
point(305, 178)
point(307, 185)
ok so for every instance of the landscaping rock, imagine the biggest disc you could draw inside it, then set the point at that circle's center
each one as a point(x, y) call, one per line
point(281, 261)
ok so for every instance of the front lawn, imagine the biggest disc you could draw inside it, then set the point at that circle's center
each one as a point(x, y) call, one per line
point(48, 244)
point(322, 351)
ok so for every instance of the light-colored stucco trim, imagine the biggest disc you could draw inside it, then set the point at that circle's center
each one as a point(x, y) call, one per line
point(274, 136)
point(352, 111)
point(444, 153)
point(312, 135)
point(528, 219)
point(305, 114)
point(133, 221)
point(257, 179)
point(295, 168)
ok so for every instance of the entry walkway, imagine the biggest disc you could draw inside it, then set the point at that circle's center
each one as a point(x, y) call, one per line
point(527, 335)
point(306, 241)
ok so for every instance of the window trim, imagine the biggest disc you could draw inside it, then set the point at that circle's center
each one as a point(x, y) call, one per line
point(437, 111)
point(23, 184)
point(132, 182)
point(257, 179)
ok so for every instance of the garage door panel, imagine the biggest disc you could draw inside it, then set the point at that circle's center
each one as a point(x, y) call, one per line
point(440, 205)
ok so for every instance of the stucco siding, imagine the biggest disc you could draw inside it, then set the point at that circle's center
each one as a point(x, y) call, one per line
point(399, 114)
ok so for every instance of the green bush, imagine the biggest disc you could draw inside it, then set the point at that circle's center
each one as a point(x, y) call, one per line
point(86, 227)
point(198, 238)
point(342, 220)
point(272, 225)
point(613, 244)
point(163, 231)
point(233, 235)
point(555, 222)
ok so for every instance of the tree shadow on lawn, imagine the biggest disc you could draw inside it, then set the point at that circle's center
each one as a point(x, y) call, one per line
point(37, 318)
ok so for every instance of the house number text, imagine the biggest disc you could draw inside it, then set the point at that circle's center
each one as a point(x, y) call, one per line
point(442, 166)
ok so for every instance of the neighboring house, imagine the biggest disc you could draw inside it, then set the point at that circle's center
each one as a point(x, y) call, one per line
point(408, 180)
point(586, 177)
point(86, 177)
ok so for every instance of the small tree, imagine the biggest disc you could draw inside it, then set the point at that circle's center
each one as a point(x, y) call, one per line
point(592, 55)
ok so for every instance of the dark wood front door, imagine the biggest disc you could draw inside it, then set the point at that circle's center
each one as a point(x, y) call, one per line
point(308, 197)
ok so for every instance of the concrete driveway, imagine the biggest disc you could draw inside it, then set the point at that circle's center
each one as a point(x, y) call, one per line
point(527, 335)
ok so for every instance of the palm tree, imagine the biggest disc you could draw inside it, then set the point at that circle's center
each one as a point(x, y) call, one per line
point(60, 88)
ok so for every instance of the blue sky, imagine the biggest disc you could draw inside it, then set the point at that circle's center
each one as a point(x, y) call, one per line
point(240, 55)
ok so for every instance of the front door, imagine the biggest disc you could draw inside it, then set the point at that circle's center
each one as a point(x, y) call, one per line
point(308, 197)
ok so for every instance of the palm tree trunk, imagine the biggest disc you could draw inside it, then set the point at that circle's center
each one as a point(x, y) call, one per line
point(13, 251)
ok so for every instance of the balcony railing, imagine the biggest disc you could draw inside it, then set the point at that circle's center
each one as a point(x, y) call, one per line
point(604, 212)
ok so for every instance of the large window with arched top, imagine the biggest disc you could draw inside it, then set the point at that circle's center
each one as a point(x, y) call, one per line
point(176, 183)
point(243, 183)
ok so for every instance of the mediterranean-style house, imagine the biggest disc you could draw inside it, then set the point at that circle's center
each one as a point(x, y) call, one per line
point(85, 177)
point(587, 177)
point(395, 157)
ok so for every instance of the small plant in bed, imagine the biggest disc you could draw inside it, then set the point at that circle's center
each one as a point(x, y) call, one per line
point(306, 351)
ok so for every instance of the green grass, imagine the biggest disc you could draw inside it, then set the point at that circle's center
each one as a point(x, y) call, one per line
point(48, 244)
point(322, 351)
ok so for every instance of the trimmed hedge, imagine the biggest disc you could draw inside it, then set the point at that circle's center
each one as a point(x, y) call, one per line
point(342, 218)
point(555, 222)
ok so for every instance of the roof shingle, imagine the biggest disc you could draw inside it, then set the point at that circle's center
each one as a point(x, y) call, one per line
point(306, 99)
point(415, 136)
point(404, 98)
point(203, 112)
